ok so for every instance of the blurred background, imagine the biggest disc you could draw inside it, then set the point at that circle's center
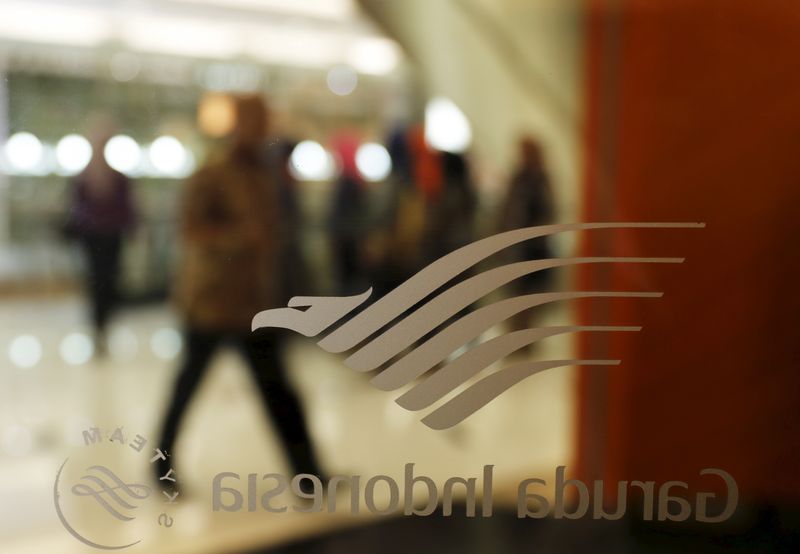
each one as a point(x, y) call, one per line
point(398, 132)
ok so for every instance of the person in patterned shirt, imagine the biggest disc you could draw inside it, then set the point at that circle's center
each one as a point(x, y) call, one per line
point(232, 234)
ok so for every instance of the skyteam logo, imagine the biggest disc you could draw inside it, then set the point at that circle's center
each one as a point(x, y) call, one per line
point(116, 497)
point(101, 506)
point(385, 336)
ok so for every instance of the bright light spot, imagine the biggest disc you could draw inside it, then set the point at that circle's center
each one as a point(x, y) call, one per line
point(169, 156)
point(25, 351)
point(216, 115)
point(342, 80)
point(446, 127)
point(24, 152)
point(375, 56)
point(73, 153)
point(373, 161)
point(310, 162)
point(123, 154)
point(17, 440)
point(125, 66)
point(166, 343)
point(53, 23)
point(297, 45)
point(123, 344)
point(181, 36)
point(76, 349)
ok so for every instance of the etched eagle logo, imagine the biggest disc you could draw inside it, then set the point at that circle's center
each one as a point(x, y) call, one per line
point(385, 335)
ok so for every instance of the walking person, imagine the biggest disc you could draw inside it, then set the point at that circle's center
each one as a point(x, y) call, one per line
point(231, 237)
point(100, 214)
point(529, 202)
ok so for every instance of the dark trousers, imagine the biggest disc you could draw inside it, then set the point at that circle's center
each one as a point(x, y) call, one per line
point(102, 260)
point(261, 351)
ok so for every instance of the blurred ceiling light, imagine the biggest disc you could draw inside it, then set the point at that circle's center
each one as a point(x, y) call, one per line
point(168, 156)
point(297, 45)
point(342, 80)
point(125, 66)
point(215, 115)
point(166, 343)
point(373, 161)
point(340, 10)
point(73, 153)
point(76, 349)
point(123, 154)
point(310, 162)
point(446, 127)
point(24, 153)
point(25, 351)
point(374, 55)
point(182, 36)
point(53, 23)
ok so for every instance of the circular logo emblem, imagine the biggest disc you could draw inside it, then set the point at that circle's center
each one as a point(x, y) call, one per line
point(97, 500)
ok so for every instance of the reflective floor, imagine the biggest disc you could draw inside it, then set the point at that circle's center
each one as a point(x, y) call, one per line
point(49, 395)
point(504, 532)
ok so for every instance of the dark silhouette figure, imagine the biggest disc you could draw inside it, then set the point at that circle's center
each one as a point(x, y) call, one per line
point(100, 213)
point(232, 235)
point(347, 220)
point(403, 219)
point(529, 202)
point(451, 218)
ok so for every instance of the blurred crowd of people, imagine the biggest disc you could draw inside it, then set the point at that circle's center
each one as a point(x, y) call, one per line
point(428, 208)
point(240, 227)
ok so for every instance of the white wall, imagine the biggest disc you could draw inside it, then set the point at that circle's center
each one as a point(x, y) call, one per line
point(513, 66)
